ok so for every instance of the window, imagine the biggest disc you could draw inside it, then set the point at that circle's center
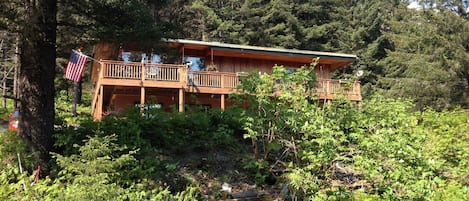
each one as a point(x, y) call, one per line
point(196, 63)
point(155, 59)
point(133, 56)
point(125, 56)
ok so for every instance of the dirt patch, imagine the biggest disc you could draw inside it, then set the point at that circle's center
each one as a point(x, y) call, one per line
point(221, 176)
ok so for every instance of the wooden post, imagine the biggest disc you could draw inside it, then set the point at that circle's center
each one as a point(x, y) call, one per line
point(358, 90)
point(142, 100)
point(222, 84)
point(183, 73)
point(99, 112)
point(143, 71)
point(101, 70)
point(328, 91)
point(181, 100)
point(97, 88)
point(142, 90)
point(223, 102)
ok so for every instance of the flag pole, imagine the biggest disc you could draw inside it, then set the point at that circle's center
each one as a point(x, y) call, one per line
point(91, 58)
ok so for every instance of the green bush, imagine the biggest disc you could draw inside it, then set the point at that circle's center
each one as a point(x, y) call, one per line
point(97, 172)
point(337, 151)
point(385, 149)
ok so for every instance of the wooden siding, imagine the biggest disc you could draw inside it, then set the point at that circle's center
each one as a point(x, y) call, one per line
point(104, 51)
point(230, 64)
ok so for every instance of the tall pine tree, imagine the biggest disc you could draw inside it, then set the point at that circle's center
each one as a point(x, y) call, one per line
point(35, 22)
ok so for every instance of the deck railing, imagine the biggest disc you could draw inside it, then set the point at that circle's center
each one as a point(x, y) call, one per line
point(133, 70)
point(211, 79)
point(338, 87)
point(122, 70)
point(163, 72)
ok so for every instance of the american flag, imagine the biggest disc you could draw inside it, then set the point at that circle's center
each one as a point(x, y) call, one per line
point(75, 66)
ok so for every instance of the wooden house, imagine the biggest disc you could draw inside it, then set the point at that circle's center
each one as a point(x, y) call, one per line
point(191, 72)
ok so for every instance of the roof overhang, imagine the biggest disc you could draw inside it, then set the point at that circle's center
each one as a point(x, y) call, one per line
point(246, 51)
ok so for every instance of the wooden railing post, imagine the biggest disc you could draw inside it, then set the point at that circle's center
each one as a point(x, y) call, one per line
point(143, 71)
point(222, 81)
point(183, 73)
point(101, 70)
point(358, 90)
point(327, 88)
point(355, 87)
point(96, 95)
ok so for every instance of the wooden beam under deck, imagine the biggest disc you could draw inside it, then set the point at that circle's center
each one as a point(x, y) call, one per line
point(146, 83)
point(165, 84)
point(208, 90)
point(204, 89)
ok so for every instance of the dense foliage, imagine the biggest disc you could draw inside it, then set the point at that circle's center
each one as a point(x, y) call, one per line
point(120, 158)
point(384, 150)
point(335, 150)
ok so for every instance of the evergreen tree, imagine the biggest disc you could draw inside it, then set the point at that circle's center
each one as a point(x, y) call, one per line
point(362, 34)
point(282, 28)
point(320, 21)
point(428, 61)
point(35, 22)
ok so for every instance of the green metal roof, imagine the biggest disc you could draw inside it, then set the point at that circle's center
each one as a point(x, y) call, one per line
point(268, 50)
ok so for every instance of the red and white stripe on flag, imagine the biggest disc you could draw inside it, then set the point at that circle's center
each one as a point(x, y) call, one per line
point(75, 66)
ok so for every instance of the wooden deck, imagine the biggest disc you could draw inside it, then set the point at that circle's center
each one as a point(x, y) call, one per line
point(144, 75)
point(166, 76)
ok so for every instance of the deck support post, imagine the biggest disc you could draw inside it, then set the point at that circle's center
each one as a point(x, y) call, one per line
point(99, 111)
point(142, 89)
point(181, 100)
point(222, 104)
point(142, 100)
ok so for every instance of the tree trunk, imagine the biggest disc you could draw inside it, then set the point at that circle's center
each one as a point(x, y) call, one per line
point(36, 75)
point(15, 73)
point(4, 100)
point(4, 90)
